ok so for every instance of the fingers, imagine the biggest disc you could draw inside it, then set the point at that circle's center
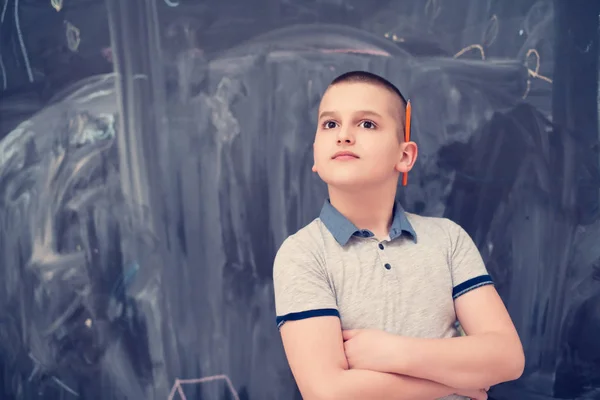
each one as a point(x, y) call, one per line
point(480, 394)
point(349, 334)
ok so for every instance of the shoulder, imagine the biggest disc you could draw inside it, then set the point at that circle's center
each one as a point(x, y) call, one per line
point(447, 234)
point(308, 238)
point(305, 246)
point(435, 227)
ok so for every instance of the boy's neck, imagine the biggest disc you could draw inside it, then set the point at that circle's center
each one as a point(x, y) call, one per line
point(370, 209)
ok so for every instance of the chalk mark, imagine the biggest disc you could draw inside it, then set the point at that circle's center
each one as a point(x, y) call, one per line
point(60, 321)
point(73, 36)
point(172, 3)
point(433, 8)
point(394, 37)
point(177, 386)
point(22, 42)
point(533, 73)
point(358, 51)
point(125, 280)
point(469, 48)
point(536, 15)
point(491, 31)
point(3, 70)
point(38, 368)
point(64, 386)
point(180, 391)
point(57, 4)
point(35, 371)
point(4, 11)
point(107, 54)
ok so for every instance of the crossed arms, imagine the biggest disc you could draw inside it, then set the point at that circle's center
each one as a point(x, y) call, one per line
point(376, 365)
point(329, 364)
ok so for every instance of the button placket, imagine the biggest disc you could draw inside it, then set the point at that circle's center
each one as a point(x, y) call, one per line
point(383, 256)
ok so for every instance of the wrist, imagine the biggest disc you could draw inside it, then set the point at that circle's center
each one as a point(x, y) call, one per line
point(399, 356)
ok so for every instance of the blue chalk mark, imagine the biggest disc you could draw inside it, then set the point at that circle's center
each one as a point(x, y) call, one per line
point(126, 279)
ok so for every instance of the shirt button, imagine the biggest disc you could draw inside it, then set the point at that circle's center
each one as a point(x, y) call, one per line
point(380, 246)
point(388, 266)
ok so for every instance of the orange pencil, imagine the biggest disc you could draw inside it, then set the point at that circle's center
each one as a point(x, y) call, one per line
point(406, 138)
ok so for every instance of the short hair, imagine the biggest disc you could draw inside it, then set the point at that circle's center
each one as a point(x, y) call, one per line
point(374, 79)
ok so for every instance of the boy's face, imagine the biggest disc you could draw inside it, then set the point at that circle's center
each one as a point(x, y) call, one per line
point(365, 120)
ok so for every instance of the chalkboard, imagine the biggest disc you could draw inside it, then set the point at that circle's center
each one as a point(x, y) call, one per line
point(155, 154)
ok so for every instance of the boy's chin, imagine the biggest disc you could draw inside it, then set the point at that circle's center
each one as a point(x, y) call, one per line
point(347, 184)
point(356, 182)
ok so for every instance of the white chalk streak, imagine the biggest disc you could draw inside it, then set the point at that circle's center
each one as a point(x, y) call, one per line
point(3, 70)
point(178, 382)
point(22, 42)
point(4, 11)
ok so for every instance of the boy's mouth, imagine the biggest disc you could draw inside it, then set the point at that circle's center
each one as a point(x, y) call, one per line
point(344, 155)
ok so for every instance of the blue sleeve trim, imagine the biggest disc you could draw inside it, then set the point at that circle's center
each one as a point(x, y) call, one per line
point(471, 284)
point(306, 314)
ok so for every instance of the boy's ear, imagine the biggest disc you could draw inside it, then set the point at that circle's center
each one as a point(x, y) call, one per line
point(408, 157)
point(314, 167)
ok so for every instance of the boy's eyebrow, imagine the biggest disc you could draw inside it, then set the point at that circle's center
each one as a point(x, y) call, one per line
point(359, 112)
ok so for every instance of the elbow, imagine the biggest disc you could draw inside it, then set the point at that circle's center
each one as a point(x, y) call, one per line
point(510, 367)
point(507, 361)
point(515, 365)
point(505, 367)
point(515, 360)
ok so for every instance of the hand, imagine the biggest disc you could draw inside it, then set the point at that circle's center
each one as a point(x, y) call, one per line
point(474, 394)
point(368, 349)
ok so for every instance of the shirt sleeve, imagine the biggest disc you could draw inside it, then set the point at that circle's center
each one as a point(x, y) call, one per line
point(468, 270)
point(302, 287)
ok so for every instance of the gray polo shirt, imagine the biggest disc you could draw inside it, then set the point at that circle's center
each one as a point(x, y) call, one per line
point(404, 284)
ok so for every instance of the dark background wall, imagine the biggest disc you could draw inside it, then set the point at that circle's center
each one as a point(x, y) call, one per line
point(140, 210)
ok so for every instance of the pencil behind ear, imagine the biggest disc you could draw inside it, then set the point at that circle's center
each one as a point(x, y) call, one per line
point(407, 137)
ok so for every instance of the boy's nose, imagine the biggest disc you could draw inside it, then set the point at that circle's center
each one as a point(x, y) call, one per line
point(345, 136)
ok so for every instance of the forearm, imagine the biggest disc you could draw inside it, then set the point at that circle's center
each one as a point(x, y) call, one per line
point(366, 385)
point(467, 362)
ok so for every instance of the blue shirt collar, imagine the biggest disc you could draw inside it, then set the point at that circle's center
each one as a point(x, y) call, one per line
point(342, 229)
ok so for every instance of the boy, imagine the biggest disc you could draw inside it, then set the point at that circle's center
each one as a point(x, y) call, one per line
point(367, 295)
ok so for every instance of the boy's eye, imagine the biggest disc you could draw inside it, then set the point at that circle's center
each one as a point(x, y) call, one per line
point(368, 124)
point(329, 124)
